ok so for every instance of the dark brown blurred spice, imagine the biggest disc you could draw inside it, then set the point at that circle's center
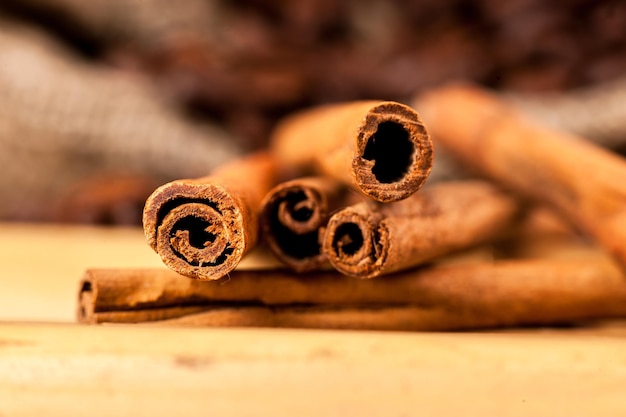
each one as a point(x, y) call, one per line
point(247, 64)
point(267, 58)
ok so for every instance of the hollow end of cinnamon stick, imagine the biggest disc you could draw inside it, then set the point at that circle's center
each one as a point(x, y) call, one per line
point(378, 147)
point(203, 227)
point(86, 300)
point(368, 240)
point(394, 153)
point(356, 243)
point(291, 217)
point(197, 228)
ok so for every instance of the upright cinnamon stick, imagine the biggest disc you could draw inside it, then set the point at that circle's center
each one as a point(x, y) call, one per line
point(381, 148)
point(293, 215)
point(203, 227)
point(456, 297)
point(583, 181)
point(367, 240)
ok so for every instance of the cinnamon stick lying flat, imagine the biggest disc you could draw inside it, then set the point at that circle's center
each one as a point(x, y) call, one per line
point(456, 297)
point(367, 240)
point(203, 227)
point(126, 290)
point(381, 148)
point(583, 181)
point(293, 214)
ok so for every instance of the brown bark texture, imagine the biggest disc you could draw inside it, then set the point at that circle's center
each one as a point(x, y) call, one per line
point(380, 148)
point(367, 240)
point(581, 180)
point(202, 227)
point(454, 297)
point(294, 215)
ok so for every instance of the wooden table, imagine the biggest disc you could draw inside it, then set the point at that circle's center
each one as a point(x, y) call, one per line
point(49, 366)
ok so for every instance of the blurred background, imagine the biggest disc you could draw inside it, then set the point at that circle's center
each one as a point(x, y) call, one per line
point(103, 100)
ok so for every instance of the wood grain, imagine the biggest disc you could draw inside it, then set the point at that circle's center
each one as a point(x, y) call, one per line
point(133, 370)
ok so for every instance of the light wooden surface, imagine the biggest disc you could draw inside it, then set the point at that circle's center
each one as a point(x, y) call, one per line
point(65, 369)
point(56, 370)
point(40, 265)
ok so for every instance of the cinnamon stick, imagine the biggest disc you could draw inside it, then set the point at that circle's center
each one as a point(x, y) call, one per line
point(456, 297)
point(380, 148)
point(202, 227)
point(581, 180)
point(367, 240)
point(125, 290)
point(293, 215)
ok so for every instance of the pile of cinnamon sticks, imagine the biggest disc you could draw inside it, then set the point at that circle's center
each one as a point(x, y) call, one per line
point(341, 198)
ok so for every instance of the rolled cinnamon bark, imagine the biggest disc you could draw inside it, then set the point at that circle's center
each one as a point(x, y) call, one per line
point(202, 227)
point(293, 215)
point(367, 240)
point(381, 148)
point(583, 181)
point(458, 297)
point(126, 290)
